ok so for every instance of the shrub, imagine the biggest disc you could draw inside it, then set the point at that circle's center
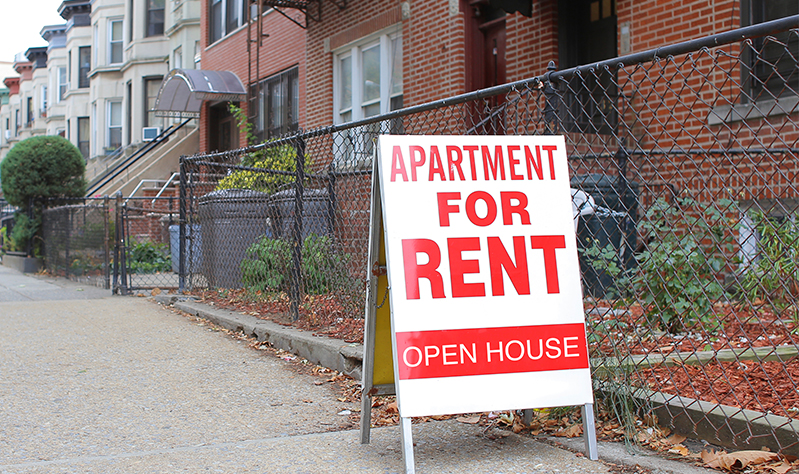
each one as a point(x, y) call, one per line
point(774, 276)
point(35, 169)
point(42, 167)
point(268, 266)
point(147, 257)
point(677, 275)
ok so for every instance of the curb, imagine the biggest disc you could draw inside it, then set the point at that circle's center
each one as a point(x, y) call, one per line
point(685, 414)
point(325, 351)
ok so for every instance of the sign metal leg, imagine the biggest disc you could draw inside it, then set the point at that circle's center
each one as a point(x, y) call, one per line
point(589, 431)
point(366, 418)
point(407, 445)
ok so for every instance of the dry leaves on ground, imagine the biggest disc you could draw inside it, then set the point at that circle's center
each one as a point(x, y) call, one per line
point(754, 461)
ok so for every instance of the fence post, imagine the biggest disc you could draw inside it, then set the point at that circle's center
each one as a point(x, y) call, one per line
point(331, 198)
point(182, 227)
point(551, 118)
point(296, 254)
point(106, 245)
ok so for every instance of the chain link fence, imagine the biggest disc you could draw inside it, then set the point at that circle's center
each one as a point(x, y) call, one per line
point(683, 164)
point(76, 234)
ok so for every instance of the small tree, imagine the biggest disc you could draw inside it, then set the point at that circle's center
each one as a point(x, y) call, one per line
point(38, 168)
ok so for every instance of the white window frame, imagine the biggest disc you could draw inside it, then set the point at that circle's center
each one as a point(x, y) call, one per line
point(43, 108)
point(63, 87)
point(239, 8)
point(353, 151)
point(355, 50)
point(110, 125)
point(112, 41)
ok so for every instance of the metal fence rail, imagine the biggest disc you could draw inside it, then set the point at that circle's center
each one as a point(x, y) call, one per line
point(684, 162)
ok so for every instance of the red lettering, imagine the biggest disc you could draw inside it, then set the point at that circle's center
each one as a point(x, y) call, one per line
point(436, 166)
point(454, 163)
point(471, 149)
point(414, 271)
point(498, 259)
point(534, 163)
point(496, 165)
point(491, 205)
point(508, 209)
point(550, 149)
point(513, 162)
point(445, 208)
point(398, 165)
point(416, 150)
point(458, 267)
point(548, 243)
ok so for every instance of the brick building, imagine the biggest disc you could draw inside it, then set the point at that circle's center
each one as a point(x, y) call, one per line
point(272, 68)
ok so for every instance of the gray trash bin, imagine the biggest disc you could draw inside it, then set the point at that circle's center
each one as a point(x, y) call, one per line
point(613, 223)
point(231, 221)
point(194, 240)
point(315, 212)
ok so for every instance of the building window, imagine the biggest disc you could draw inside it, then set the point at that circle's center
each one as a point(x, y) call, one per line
point(115, 42)
point(29, 111)
point(63, 83)
point(155, 17)
point(226, 16)
point(84, 134)
point(114, 124)
point(84, 65)
point(43, 109)
point(367, 81)
point(177, 62)
point(151, 87)
point(769, 66)
point(368, 78)
point(275, 105)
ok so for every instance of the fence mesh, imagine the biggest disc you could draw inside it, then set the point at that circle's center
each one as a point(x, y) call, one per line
point(76, 237)
point(149, 242)
point(683, 174)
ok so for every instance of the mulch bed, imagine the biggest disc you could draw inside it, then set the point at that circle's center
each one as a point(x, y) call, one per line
point(751, 384)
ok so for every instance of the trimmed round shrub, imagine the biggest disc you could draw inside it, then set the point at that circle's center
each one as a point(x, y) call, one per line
point(42, 167)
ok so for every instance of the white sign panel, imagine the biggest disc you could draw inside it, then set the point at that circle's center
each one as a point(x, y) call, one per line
point(486, 303)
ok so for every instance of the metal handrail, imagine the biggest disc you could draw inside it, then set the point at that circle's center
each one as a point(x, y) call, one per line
point(163, 188)
point(117, 170)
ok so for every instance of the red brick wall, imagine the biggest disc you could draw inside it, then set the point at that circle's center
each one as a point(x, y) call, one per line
point(282, 49)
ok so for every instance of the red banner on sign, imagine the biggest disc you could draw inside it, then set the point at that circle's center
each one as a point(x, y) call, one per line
point(504, 350)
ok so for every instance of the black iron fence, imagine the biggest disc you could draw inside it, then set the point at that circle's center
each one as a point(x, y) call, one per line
point(683, 165)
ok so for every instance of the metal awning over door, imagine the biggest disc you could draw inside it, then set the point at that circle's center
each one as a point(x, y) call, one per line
point(183, 91)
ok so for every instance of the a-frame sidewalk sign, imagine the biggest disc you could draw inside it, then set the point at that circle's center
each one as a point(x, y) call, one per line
point(474, 301)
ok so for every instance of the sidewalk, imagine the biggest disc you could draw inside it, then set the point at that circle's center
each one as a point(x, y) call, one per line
point(119, 384)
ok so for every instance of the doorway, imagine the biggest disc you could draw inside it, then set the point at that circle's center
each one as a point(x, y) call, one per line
point(485, 61)
point(587, 33)
point(223, 134)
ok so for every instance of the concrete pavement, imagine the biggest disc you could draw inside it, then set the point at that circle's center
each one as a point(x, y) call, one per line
point(96, 383)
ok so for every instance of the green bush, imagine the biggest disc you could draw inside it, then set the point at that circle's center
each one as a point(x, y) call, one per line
point(774, 276)
point(42, 167)
point(35, 169)
point(268, 266)
point(677, 278)
point(147, 257)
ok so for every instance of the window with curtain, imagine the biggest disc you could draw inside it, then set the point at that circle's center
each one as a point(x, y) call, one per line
point(84, 65)
point(114, 124)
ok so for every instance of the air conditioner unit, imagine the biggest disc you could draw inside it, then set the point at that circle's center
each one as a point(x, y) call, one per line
point(8, 134)
point(148, 134)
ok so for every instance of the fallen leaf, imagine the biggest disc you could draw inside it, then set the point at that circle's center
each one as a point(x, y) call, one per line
point(469, 420)
point(572, 431)
point(676, 438)
point(156, 291)
point(738, 459)
point(781, 468)
point(392, 408)
point(680, 449)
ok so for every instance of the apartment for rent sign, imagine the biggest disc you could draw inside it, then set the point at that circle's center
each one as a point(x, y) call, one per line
point(482, 263)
